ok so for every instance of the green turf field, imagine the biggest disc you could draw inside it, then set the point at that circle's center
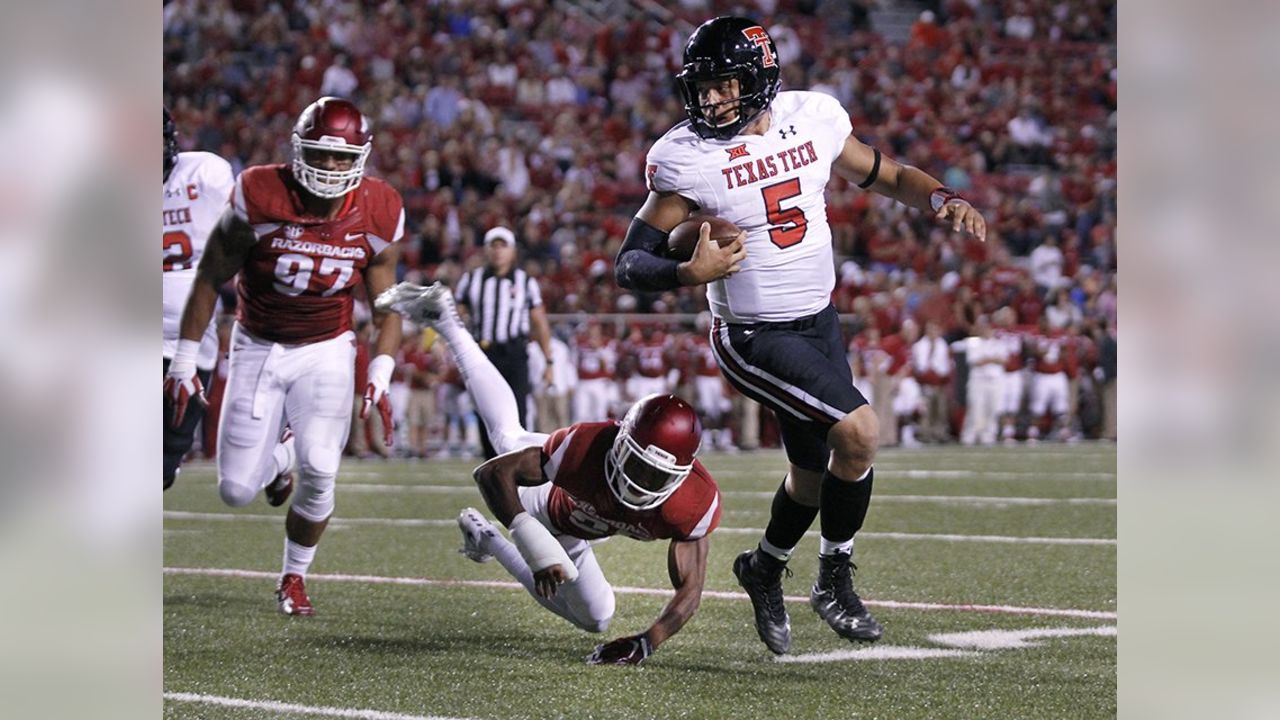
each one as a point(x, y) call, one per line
point(957, 541)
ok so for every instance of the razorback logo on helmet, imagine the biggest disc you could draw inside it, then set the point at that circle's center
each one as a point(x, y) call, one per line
point(757, 35)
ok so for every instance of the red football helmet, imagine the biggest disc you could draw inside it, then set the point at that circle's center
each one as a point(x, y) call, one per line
point(331, 125)
point(654, 451)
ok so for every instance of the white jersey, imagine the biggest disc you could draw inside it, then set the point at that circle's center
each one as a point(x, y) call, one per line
point(194, 198)
point(773, 186)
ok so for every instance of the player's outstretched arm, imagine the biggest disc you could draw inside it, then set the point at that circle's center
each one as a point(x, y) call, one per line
point(908, 185)
point(498, 480)
point(379, 275)
point(224, 255)
point(687, 566)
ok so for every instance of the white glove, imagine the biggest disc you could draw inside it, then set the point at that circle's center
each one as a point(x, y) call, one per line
point(181, 383)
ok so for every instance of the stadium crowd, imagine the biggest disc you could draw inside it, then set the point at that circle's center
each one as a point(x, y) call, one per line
point(537, 114)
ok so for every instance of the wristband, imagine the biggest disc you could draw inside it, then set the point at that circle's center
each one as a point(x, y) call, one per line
point(942, 195)
point(538, 546)
point(185, 353)
point(380, 369)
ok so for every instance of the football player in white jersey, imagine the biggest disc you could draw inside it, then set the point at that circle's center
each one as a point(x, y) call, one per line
point(196, 188)
point(761, 159)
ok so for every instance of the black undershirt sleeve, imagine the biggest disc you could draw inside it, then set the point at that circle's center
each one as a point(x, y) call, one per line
point(640, 264)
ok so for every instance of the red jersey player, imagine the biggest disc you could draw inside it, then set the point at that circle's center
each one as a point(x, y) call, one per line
point(301, 237)
point(557, 492)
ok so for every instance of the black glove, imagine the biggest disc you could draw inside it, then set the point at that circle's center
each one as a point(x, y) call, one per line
point(623, 651)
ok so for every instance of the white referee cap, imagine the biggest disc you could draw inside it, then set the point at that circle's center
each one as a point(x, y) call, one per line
point(500, 233)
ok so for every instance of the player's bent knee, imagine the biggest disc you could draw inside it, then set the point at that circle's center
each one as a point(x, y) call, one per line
point(595, 625)
point(313, 502)
point(856, 437)
point(236, 494)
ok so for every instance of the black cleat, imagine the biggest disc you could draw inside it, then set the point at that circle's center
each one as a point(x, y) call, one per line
point(761, 577)
point(835, 601)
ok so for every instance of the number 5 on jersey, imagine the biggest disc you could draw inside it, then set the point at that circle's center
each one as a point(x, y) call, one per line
point(293, 273)
point(789, 224)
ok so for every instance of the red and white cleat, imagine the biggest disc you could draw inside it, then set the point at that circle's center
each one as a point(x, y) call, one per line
point(291, 596)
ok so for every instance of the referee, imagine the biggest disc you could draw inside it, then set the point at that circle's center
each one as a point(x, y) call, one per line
point(502, 300)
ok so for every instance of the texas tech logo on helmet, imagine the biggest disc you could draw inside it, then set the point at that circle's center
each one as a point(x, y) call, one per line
point(757, 35)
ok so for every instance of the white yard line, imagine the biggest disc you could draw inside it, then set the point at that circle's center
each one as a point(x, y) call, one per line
point(294, 709)
point(340, 521)
point(337, 521)
point(883, 472)
point(623, 590)
point(950, 499)
point(878, 652)
point(762, 494)
point(945, 537)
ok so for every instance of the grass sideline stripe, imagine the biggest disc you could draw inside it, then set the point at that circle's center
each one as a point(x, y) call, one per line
point(340, 521)
point(624, 590)
point(294, 709)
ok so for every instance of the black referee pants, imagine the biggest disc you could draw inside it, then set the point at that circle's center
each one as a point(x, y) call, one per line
point(512, 361)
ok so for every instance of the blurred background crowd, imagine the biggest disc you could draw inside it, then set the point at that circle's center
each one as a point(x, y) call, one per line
point(537, 115)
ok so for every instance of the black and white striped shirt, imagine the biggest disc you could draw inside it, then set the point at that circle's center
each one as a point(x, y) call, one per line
point(499, 305)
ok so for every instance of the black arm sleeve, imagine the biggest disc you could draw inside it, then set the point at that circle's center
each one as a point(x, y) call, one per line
point(640, 265)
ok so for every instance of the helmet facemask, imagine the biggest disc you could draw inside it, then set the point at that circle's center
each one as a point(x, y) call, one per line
point(755, 92)
point(642, 478)
point(328, 183)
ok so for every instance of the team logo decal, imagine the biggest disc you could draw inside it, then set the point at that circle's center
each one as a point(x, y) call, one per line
point(293, 232)
point(737, 152)
point(757, 35)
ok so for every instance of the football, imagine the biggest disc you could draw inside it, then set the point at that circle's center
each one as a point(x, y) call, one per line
point(684, 237)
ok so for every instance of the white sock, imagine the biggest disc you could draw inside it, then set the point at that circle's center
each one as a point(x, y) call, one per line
point(284, 455)
point(783, 554)
point(828, 547)
point(297, 558)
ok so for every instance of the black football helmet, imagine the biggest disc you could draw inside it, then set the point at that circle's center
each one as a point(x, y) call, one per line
point(170, 144)
point(722, 48)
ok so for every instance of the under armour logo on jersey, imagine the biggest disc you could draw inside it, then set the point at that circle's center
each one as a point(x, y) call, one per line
point(737, 152)
point(791, 130)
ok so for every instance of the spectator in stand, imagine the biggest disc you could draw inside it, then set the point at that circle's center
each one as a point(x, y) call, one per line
point(1031, 138)
point(421, 361)
point(1013, 383)
point(745, 415)
point(551, 399)
point(597, 364)
point(932, 365)
point(1105, 374)
point(907, 398)
point(712, 392)
point(1046, 266)
point(649, 351)
point(986, 357)
point(1063, 313)
point(1049, 386)
point(338, 80)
